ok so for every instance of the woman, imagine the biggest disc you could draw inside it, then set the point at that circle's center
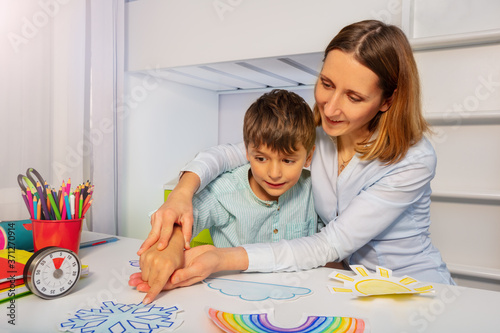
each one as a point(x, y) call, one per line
point(371, 171)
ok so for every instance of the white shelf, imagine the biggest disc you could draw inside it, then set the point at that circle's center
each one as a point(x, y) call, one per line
point(475, 271)
point(490, 196)
point(456, 40)
point(462, 118)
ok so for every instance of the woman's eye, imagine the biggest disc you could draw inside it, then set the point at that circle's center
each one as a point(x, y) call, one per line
point(355, 99)
point(326, 83)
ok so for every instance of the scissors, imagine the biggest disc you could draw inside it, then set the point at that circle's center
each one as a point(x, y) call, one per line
point(29, 181)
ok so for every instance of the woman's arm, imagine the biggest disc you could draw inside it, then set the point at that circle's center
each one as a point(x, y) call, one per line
point(178, 209)
point(366, 217)
point(201, 261)
point(214, 161)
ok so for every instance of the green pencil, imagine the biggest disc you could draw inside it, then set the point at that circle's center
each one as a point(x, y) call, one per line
point(53, 204)
point(80, 206)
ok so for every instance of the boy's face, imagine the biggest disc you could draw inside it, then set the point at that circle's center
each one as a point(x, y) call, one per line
point(272, 173)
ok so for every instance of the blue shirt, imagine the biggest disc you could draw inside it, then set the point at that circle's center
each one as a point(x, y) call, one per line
point(236, 216)
point(375, 214)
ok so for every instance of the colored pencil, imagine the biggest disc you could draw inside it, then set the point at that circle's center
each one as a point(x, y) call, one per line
point(25, 199)
point(39, 209)
point(68, 206)
point(63, 209)
point(42, 199)
point(72, 205)
point(80, 207)
point(54, 206)
point(77, 201)
point(30, 201)
point(86, 200)
point(35, 208)
point(87, 207)
point(61, 199)
point(68, 186)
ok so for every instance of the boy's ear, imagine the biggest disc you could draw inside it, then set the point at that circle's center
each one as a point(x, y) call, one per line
point(248, 157)
point(309, 157)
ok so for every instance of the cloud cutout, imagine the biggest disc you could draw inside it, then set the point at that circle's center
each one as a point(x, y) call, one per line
point(255, 291)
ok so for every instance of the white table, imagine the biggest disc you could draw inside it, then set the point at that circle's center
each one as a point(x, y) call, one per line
point(450, 309)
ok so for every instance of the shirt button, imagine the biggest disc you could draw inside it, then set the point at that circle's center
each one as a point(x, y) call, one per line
point(275, 231)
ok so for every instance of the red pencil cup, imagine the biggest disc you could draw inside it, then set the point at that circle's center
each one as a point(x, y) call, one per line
point(61, 233)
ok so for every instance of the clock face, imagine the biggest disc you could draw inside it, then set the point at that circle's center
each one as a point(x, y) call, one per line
point(52, 272)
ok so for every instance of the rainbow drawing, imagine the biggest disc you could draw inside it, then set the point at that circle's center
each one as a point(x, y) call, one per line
point(256, 323)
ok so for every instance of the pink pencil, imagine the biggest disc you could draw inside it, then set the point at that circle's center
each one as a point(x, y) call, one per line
point(68, 186)
point(30, 201)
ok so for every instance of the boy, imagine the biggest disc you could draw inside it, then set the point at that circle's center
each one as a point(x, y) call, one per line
point(264, 201)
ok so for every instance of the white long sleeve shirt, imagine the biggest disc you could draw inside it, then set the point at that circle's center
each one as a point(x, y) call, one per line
point(375, 214)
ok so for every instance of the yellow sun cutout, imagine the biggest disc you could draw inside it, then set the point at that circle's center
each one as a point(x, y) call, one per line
point(365, 283)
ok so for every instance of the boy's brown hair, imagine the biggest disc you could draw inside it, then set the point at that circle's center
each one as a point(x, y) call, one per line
point(281, 120)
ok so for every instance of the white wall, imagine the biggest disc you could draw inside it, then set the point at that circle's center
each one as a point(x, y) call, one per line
point(164, 125)
point(461, 91)
point(232, 108)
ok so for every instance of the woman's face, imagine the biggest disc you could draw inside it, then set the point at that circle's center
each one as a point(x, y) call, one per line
point(348, 97)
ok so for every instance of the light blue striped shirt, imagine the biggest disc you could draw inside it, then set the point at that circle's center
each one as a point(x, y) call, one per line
point(236, 216)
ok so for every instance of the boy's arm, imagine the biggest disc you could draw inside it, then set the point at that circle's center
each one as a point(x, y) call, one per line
point(157, 266)
point(178, 209)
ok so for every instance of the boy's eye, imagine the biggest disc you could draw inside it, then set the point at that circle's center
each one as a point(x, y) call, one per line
point(288, 161)
point(260, 159)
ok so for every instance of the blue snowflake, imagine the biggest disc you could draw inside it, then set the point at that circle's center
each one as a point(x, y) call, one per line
point(116, 318)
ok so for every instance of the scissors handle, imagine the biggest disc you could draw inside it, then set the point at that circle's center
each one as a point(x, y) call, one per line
point(21, 179)
point(30, 172)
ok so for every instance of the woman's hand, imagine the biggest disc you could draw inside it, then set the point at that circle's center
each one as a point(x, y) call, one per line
point(201, 261)
point(178, 209)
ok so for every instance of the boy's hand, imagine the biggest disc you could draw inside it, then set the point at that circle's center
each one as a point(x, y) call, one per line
point(178, 209)
point(157, 267)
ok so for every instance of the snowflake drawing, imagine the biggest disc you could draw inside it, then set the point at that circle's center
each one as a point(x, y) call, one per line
point(114, 318)
point(134, 263)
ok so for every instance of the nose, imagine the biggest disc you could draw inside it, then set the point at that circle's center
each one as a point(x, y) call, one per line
point(332, 106)
point(274, 171)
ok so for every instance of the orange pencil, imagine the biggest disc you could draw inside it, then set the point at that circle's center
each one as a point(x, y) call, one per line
point(87, 200)
point(39, 210)
point(87, 207)
point(61, 199)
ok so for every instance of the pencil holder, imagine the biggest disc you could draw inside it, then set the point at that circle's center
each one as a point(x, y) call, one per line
point(61, 233)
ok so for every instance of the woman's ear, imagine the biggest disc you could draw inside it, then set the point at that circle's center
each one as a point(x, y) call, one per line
point(309, 157)
point(387, 102)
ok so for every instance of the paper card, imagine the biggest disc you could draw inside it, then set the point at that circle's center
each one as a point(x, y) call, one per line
point(256, 291)
point(118, 317)
point(264, 322)
point(366, 283)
